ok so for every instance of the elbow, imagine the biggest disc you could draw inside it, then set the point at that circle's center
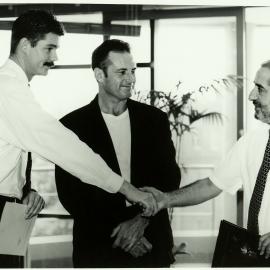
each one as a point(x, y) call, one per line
point(212, 189)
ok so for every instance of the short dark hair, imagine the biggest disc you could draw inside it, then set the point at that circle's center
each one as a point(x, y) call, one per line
point(100, 54)
point(34, 25)
point(266, 64)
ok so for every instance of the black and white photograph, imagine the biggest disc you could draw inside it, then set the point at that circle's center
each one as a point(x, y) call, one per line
point(132, 131)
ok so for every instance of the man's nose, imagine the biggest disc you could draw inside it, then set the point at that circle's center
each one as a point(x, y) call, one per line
point(132, 78)
point(54, 56)
point(253, 94)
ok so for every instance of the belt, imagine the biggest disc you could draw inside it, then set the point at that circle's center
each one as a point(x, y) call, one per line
point(9, 199)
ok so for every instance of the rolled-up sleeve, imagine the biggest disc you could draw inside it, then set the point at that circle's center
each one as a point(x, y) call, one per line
point(227, 175)
point(26, 125)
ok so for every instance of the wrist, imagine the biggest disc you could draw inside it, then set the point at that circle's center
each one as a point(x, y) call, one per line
point(130, 192)
point(165, 202)
point(125, 188)
point(143, 219)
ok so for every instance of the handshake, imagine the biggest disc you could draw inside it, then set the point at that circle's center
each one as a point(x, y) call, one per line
point(154, 201)
point(149, 199)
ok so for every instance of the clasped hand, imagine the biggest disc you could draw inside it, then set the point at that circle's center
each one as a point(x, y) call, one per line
point(129, 236)
point(264, 245)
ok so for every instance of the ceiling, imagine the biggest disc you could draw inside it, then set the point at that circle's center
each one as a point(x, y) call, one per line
point(108, 10)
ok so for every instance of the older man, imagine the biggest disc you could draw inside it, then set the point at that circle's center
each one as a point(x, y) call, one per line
point(247, 165)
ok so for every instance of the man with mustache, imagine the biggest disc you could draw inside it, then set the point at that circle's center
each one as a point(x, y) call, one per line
point(246, 165)
point(135, 141)
point(26, 127)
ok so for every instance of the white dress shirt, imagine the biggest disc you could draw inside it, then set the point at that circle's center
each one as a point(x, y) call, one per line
point(25, 126)
point(240, 168)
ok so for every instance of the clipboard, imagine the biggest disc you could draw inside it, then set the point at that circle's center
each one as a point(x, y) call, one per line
point(237, 247)
point(15, 230)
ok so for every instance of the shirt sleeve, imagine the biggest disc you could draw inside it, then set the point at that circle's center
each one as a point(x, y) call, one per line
point(26, 125)
point(227, 175)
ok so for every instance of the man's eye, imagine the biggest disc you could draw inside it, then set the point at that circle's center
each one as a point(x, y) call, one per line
point(260, 89)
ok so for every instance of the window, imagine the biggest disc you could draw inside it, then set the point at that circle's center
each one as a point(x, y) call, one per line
point(196, 51)
point(257, 43)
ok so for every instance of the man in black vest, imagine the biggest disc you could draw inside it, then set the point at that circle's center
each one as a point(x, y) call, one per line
point(135, 141)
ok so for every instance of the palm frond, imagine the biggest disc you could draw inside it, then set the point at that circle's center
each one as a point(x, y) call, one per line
point(212, 117)
point(180, 105)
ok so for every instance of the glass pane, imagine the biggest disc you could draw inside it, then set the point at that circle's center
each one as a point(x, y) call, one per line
point(193, 50)
point(52, 226)
point(77, 48)
point(88, 18)
point(258, 44)
point(64, 90)
point(197, 52)
point(5, 37)
point(143, 84)
point(140, 46)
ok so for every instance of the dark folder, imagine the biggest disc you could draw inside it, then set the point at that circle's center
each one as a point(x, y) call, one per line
point(237, 247)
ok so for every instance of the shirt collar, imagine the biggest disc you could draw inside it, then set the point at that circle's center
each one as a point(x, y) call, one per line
point(19, 73)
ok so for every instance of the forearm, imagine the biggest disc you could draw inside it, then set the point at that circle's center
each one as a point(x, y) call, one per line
point(39, 132)
point(195, 193)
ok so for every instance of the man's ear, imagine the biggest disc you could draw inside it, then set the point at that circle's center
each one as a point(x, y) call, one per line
point(99, 74)
point(24, 45)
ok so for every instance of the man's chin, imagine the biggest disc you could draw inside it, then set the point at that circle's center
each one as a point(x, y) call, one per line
point(261, 118)
point(127, 95)
point(44, 72)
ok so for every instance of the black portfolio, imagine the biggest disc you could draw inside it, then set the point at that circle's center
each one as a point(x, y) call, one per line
point(237, 247)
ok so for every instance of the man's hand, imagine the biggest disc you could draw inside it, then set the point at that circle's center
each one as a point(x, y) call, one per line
point(159, 196)
point(144, 199)
point(140, 248)
point(264, 245)
point(129, 232)
point(34, 202)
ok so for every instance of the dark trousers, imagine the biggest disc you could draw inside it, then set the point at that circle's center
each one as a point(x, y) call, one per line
point(9, 261)
point(116, 258)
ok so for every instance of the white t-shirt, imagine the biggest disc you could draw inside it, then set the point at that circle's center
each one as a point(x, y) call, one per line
point(25, 126)
point(240, 168)
point(119, 129)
